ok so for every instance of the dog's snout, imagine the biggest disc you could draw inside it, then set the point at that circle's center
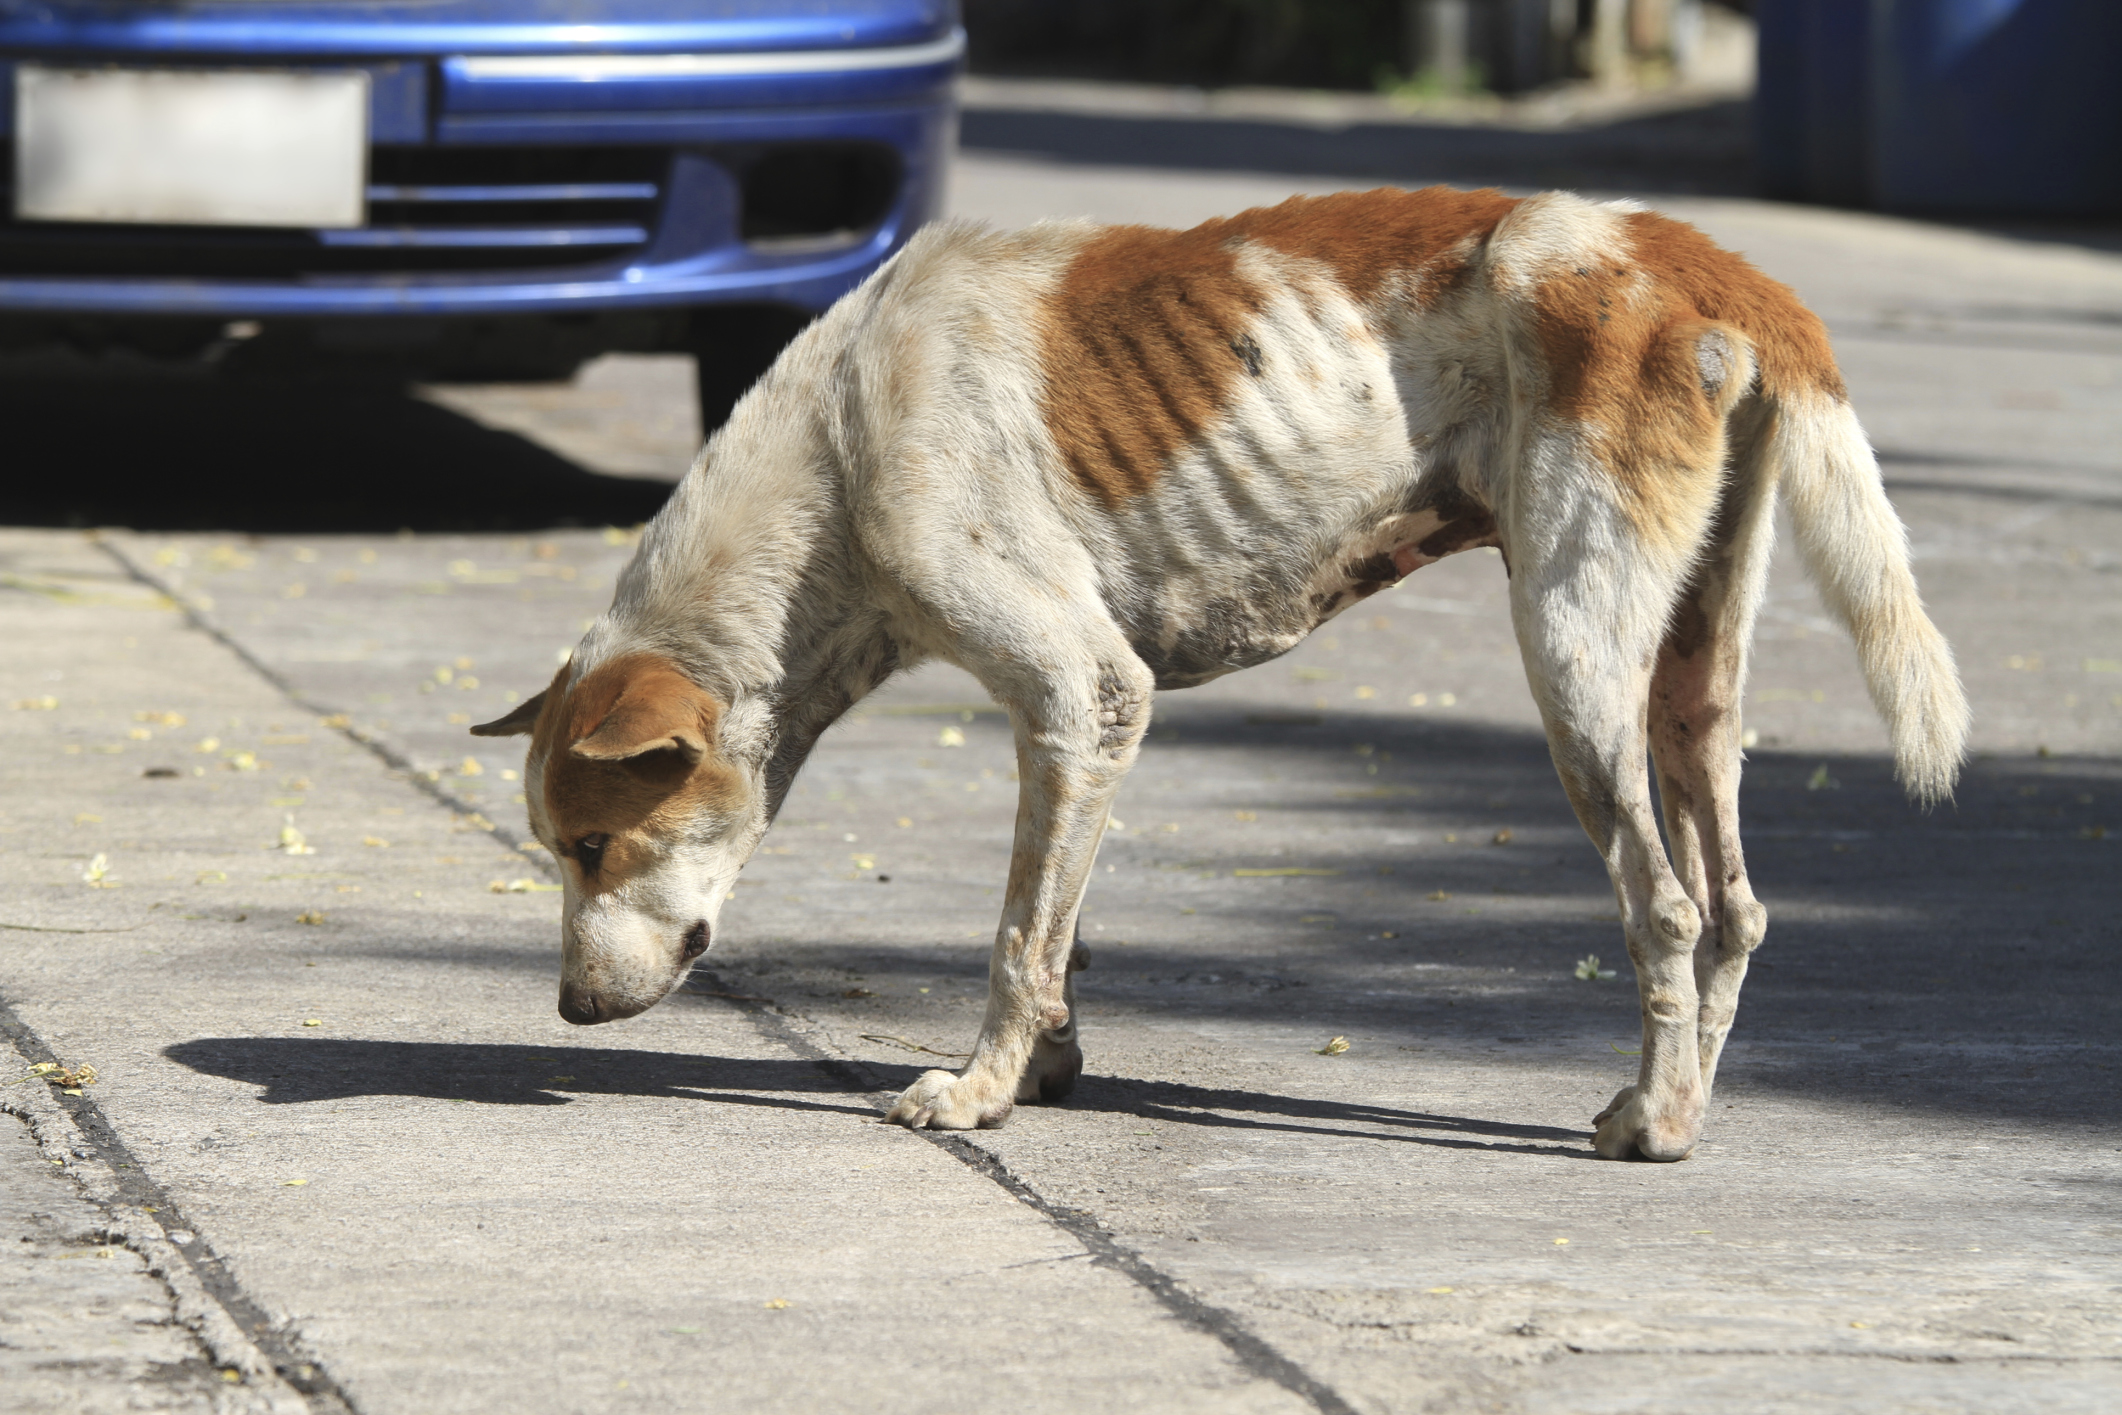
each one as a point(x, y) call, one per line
point(695, 941)
point(581, 1006)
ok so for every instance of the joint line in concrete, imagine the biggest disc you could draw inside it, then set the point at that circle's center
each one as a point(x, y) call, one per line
point(1250, 1351)
point(300, 1370)
point(390, 756)
point(1105, 1251)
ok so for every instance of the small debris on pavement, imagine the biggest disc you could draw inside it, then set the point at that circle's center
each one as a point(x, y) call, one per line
point(1334, 1047)
point(291, 840)
point(888, 1039)
point(950, 737)
point(1589, 971)
point(522, 886)
point(96, 875)
point(1821, 781)
point(68, 1078)
point(310, 916)
point(1501, 837)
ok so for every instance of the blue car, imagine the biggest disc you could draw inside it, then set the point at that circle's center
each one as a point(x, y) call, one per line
point(462, 188)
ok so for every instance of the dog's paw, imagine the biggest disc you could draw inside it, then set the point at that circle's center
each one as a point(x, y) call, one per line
point(1629, 1129)
point(1054, 1067)
point(940, 1100)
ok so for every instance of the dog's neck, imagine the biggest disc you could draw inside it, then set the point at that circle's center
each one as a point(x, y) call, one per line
point(747, 577)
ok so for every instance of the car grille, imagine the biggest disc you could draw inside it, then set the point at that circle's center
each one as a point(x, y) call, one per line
point(433, 209)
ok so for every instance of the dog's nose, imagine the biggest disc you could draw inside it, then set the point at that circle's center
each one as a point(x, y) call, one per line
point(580, 1006)
point(695, 941)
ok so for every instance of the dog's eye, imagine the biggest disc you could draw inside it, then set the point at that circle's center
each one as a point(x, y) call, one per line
point(589, 852)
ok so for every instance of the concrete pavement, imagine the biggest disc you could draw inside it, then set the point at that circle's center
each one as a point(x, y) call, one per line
point(441, 1197)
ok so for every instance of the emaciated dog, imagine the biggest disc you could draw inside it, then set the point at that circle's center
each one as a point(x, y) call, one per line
point(1084, 463)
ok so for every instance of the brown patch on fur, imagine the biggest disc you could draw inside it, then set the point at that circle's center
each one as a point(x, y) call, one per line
point(1148, 329)
point(1790, 343)
point(1476, 528)
point(1649, 346)
point(1367, 238)
point(641, 701)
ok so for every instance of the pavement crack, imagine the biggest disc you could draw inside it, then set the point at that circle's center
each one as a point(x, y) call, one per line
point(397, 761)
point(152, 1234)
point(1251, 1352)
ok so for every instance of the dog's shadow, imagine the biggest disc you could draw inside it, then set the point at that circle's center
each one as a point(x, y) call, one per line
point(305, 1070)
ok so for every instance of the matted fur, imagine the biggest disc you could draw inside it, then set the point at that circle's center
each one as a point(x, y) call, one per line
point(1088, 463)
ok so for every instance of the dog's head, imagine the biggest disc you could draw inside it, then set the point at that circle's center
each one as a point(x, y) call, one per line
point(649, 819)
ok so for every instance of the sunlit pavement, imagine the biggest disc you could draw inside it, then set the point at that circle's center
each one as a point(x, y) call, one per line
point(258, 877)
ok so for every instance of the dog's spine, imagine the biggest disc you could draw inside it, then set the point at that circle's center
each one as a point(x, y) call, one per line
point(1856, 550)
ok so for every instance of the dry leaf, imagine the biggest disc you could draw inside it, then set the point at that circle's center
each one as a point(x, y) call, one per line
point(313, 1021)
point(310, 916)
point(291, 841)
point(96, 875)
point(522, 886)
point(43, 704)
point(1588, 970)
point(470, 767)
point(1334, 1047)
point(1821, 781)
point(950, 737)
point(1245, 815)
point(778, 1304)
point(1501, 837)
point(1438, 896)
point(375, 840)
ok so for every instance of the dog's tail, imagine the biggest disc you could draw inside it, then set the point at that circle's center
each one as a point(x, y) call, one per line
point(1856, 551)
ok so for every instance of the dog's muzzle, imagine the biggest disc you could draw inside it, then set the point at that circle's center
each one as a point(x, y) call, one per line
point(581, 1006)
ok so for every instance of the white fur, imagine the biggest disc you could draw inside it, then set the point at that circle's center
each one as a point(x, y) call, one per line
point(892, 492)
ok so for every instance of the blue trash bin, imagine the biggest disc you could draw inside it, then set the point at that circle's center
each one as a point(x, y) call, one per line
point(1997, 106)
point(1813, 101)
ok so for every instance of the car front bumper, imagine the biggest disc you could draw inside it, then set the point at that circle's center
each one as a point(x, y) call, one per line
point(567, 179)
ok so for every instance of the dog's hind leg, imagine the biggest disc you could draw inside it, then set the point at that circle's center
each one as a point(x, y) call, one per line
point(1694, 740)
point(1590, 601)
point(1079, 720)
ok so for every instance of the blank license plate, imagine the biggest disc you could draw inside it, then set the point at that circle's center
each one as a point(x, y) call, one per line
point(191, 148)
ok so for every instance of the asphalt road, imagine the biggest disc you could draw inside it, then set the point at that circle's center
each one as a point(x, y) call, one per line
point(342, 1153)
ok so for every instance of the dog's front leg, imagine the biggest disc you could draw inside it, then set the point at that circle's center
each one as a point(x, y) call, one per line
point(1074, 745)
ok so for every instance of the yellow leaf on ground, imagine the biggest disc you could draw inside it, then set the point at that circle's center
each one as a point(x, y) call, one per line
point(1334, 1047)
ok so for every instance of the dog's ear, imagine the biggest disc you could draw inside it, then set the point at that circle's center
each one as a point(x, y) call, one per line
point(658, 710)
point(520, 720)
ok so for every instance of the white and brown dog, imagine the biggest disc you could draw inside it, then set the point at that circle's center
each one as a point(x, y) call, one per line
point(1084, 463)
